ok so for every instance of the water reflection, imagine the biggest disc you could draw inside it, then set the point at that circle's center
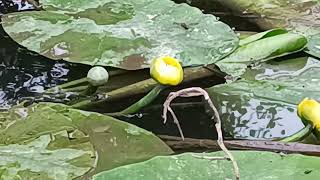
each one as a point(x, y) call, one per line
point(25, 74)
point(256, 118)
point(266, 109)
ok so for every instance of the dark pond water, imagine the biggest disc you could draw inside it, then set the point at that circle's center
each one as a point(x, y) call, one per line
point(249, 116)
point(26, 74)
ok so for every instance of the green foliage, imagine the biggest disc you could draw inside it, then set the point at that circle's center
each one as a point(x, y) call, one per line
point(126, 34)
point(262, 35)
point(253, 165)
point(259, 48)
point(54, 141)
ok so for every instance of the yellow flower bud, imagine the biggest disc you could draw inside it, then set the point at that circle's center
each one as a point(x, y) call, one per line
point(167, 71)
point(309, 110)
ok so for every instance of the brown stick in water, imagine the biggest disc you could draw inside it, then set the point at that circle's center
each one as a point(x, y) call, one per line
point(200, 144)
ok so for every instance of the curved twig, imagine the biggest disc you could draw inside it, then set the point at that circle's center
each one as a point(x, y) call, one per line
point(196, 91)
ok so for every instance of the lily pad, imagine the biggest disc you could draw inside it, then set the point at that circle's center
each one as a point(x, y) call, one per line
point(33, 145)
point(314, 45)
point(266, 166)
point(116, 143)
point(40, 159)
point(126, 34)
point(265, 48)
point(262, 35)
point(263, 104)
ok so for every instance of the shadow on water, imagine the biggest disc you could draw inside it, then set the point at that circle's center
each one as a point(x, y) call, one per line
point(194, 121)
point(251, 112)
point(254, 118)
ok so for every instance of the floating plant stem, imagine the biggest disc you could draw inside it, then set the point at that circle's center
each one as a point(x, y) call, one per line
point(143, 102)
point(75, 89)
point(167, 71)
point(69, 85)
point(300, 135)
point(89, 90)
point(309, 112)
point(190, 74)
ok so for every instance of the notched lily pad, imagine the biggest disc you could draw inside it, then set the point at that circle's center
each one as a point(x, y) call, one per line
point(38, 158)
point(58, 134)
point(126, 34)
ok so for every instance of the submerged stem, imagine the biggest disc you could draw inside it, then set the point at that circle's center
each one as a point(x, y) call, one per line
point(70, 84)
point(190, 74)
point(146, 100)
point(83, 81)
point(75, 89)
point(300, 135)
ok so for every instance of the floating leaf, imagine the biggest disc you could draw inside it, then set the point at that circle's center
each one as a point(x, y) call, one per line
point(261, 50)
point(37, 144)
point(41, 159)
point(262, 35)
point(266, 166)
point(126, 34)
point(117, 143)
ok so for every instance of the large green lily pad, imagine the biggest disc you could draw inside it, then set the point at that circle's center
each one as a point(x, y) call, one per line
point(263, 104)
point(71, 132)
point(253, 165)
point(47, 157)
point(37, 144)
point(126, 34)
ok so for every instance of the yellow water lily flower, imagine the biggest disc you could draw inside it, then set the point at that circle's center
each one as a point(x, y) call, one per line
point(166, 70)
point(309, 110)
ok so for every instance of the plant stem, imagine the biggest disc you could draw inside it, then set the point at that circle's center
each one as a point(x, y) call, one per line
point(146, 100)
point(300, 135)
point(90, 90)
point(75, 89)
point(69, 84)
point(145, 86)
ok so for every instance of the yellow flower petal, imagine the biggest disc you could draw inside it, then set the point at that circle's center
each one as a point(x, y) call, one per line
point(167, 71)
point(309, 110)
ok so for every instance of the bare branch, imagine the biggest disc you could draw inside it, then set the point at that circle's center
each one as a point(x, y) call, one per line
point(196, 91)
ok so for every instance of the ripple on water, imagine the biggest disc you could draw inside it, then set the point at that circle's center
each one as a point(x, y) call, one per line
point(258, 118)
point(31, 74)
